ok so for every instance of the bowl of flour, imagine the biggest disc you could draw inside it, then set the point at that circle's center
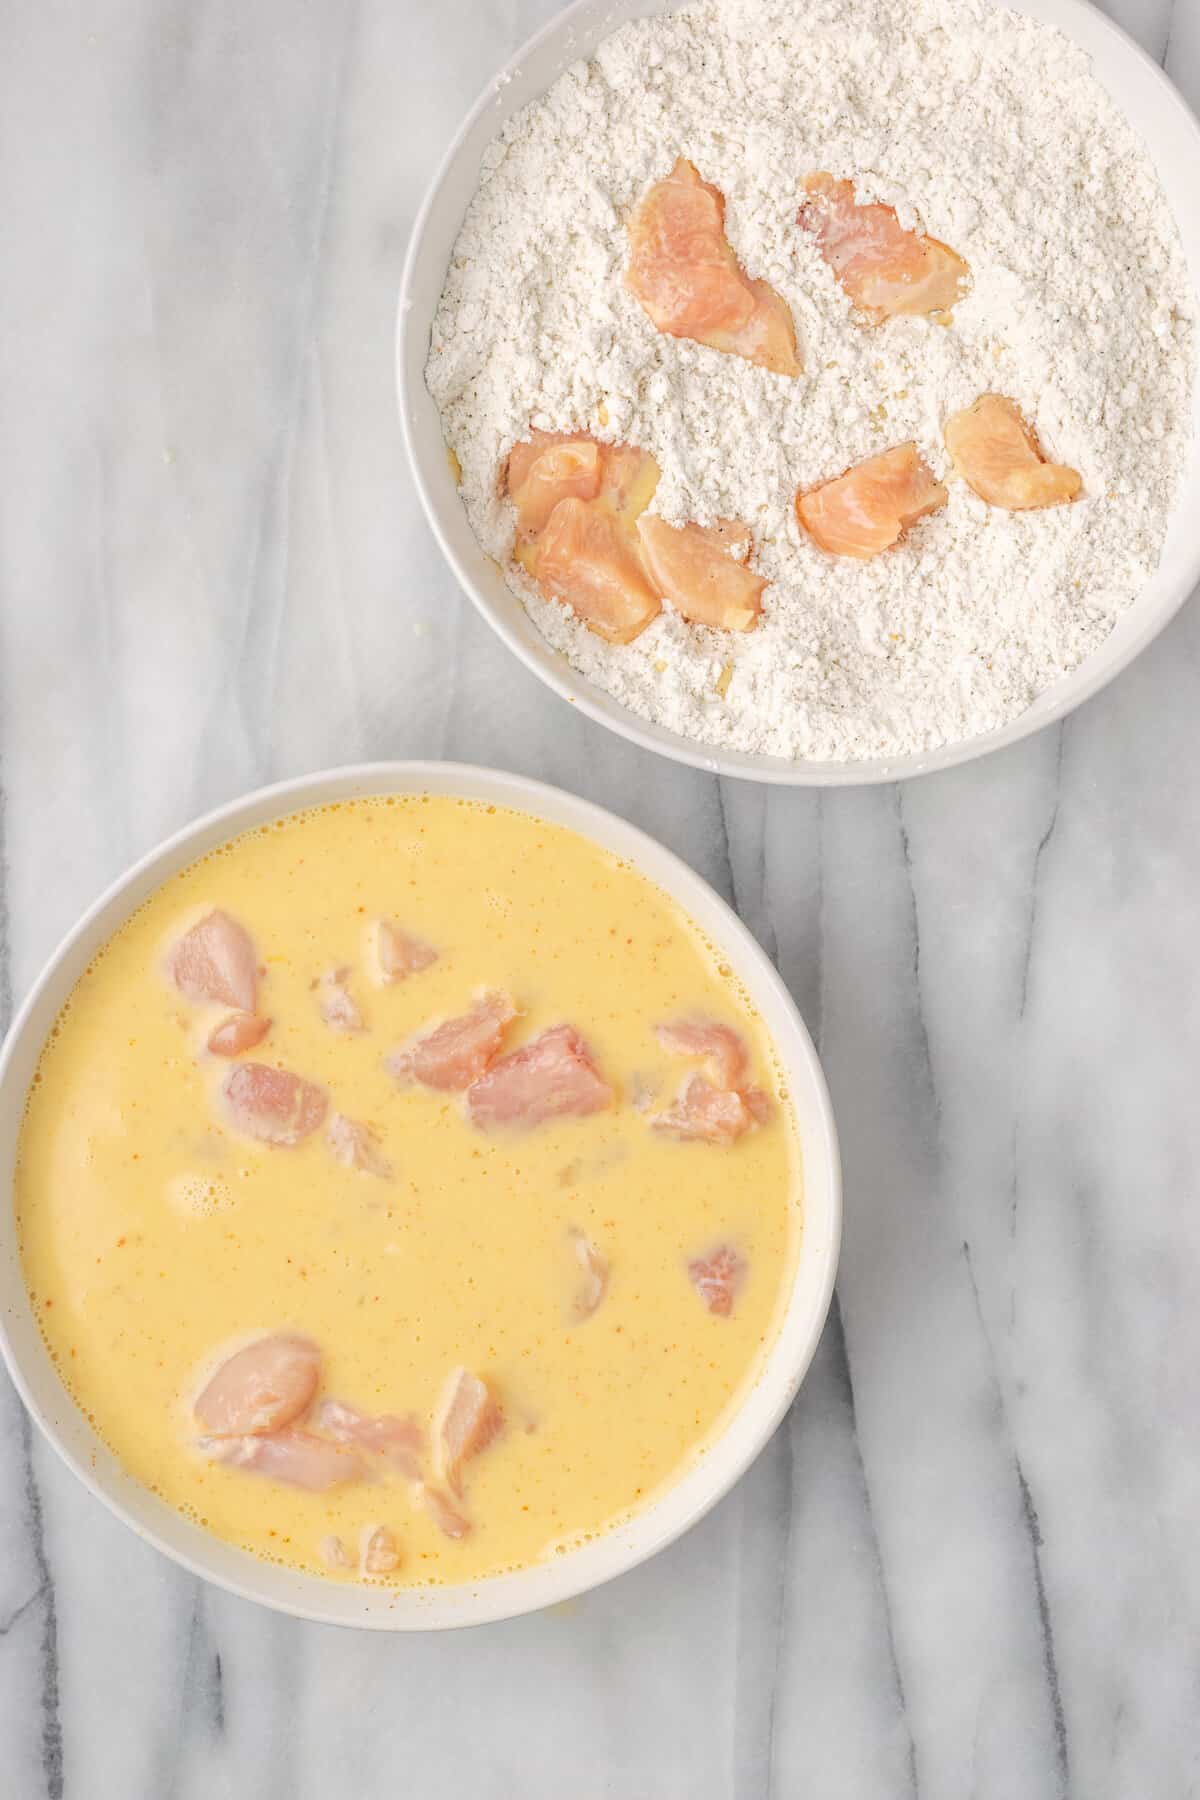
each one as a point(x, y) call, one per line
point(1040, 143)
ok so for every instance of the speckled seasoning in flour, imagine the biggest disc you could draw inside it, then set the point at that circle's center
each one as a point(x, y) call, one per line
point(990, 129)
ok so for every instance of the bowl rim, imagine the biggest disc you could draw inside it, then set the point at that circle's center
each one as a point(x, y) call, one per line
point(1050, 707)
point(495, 1598)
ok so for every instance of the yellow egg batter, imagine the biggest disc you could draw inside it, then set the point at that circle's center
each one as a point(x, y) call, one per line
point(152, 1233)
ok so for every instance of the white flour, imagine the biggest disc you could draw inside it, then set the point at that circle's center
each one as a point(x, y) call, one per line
point(988, 127)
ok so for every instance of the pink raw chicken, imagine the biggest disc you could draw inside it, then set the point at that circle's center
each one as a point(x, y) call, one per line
point(454, 1054)
point(720, 1047)
point(718, 1106)
point(338, 1007)
point(998, 453)
point(239, 1031)
point(706, 1114)
point(884, 268)
point(550, 1078)
point(717, 1277)
point(445, 1515)
point(549, 468)
point(466, 1421)
point(585, 559)
point(872, 505)
point(688, 281)
point(628, 478)
point(356, 1146)
point(397, 955)
point(272, 1105)
point(294, 1457)
point(380, 1552)
point(595, 1276)
point(400, 1441)
point(261, 1388)
point(697, 568)
point(758, 1102)
point(215, 964)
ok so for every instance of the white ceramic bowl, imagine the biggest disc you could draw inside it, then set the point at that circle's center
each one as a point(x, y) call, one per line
point(710, 1477)
point(1172, 136)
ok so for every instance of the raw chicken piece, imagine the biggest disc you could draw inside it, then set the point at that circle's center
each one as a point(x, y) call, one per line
point(356, 1146)
point(721, 1047)
point(237, 1032)
point(442, 1510)
point(552, 1077)
point(338, 1007)
point(868, 508)
point(731, 536)
point(999, 455)
point(884, 268)
point(717, 1277)
point(465, 1422)
point(550, 468)
point(396, 955)
point(583, 558)
point(454, 1054)
point(718, 1106)
point(595, 1276)
point(380, 1552)
point(692, 566)
point(628, 478)
point(332, 1552)
point(689, 283)
point(272, 1105)
point(400, 1441)
point(770, 338)
point(577, 502)
point(527, 459)
point(758, 1103)
point(704, 1113)
point(295, 1457)
point(215, 964)
point(260, 1388)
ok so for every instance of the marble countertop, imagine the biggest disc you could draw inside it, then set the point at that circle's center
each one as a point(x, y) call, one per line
point(968, 1565)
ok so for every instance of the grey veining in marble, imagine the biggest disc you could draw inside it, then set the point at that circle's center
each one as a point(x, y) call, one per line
point(969, 1563)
